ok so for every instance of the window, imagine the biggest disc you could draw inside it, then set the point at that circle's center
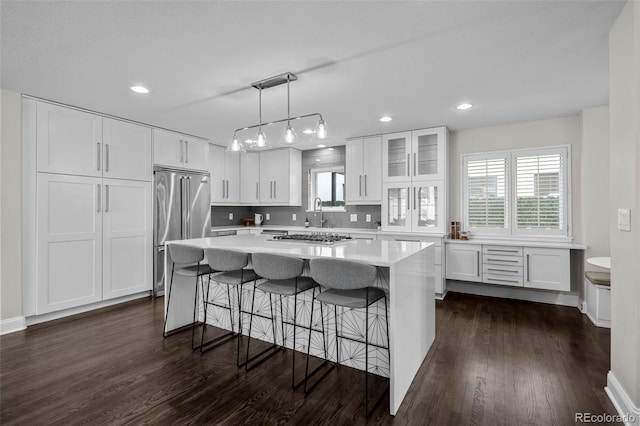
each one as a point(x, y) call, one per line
point(517, 192)
point(328, 185)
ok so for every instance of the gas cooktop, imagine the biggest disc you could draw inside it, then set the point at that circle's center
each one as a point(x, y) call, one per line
point(313, 238)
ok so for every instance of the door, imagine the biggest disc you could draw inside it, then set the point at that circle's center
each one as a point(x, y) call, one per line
point(68, 141)
point(547, 268)
point(463, 262)
point(218, 183)
point(396, 209)
point(372, 169)
point(69, 242)
point(250, 178)
point(427, 207)
point(127, 238)
point(354, 174)
point(198, 206)
point(267, 173)
point(167, 148)
point(195, 152)
point(428, 153)
point(167, 207)
point(232, 176)
point(396, 156)
point(281, 178)
point(126, 150)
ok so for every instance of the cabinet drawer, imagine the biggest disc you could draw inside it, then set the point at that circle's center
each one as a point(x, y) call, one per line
point(496, 259)
point(502, 250)
point(512, 271)
point(503, 280)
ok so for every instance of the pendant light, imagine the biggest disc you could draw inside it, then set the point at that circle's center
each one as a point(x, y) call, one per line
point(321, 129)
point(261, 138)
point(290, 136)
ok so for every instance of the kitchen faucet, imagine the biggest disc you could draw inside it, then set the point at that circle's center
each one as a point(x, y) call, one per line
point(317, 207)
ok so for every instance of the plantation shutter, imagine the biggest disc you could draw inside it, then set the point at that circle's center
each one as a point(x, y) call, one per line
point(486, 193)
point(539, 191)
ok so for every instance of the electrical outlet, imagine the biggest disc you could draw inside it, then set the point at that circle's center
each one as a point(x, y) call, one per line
point(230, 216)
point(267, 216)
point(354, 217)
point(368, 218)
point(293, 217)
point(624, 219)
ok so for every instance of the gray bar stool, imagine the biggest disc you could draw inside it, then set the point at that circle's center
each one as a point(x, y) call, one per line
point(186, 262)
point(350, 285)
point(284, 278)
point(231, 265)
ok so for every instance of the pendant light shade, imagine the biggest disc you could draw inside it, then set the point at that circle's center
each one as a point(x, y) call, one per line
point(236, 146)
point(261, 139)
point(290, 136)
point(321, 129)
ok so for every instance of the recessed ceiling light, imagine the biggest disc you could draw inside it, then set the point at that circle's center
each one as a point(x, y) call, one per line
point(322, 146)
point(140, 89)
point(385, 119)
point(317, 159)
point(464, 106)
point(308, 131)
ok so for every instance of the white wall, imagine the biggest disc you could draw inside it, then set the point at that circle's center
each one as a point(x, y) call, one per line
point(624, 162)
point(557, 131)
point(11, 206)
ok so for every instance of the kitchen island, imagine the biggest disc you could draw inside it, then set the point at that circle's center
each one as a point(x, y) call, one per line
point(405, 272)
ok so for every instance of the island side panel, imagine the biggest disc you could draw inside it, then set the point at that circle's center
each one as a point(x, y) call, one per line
point(412, 320)
point(182, 297)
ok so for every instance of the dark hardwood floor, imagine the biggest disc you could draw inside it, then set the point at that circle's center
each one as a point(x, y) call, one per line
point(494, 362)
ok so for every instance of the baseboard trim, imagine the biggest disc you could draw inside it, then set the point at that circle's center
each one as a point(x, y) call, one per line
point(37, 319)
point(11, 325)
point(603, 324)
point(630, 413)
point(540, 296)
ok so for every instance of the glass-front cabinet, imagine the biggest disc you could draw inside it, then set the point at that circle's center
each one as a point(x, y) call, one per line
point(417, 207)
point(419, 154)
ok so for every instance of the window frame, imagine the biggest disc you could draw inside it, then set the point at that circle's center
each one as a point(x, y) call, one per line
point(511, 230)
point(312, 189)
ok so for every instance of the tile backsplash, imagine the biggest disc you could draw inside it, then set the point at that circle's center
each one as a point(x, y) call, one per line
point(324, 157)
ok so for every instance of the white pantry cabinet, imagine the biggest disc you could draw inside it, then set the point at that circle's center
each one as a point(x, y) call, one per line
point(281, 177)
point(94, 239)
point(363, 169)
point(250, 178)
point(172, 149)
point(224, 168)
point(126, 150)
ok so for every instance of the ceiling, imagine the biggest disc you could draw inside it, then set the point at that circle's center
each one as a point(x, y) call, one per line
point(355, 61)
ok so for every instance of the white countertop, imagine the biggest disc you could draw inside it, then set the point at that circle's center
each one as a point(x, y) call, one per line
point(521, 243)
point(372, 252)
point(367, 231)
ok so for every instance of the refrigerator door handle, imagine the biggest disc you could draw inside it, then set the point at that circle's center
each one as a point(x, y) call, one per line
point(188, 198)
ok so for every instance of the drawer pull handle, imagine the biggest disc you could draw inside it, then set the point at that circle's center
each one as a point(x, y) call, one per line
point(504, 281)
point(503, 260)
point(503, 251)
point(502, 270)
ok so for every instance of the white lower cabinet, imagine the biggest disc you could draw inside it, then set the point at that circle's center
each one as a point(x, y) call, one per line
point(547, 268)
point(464, 262)
point(93, 240)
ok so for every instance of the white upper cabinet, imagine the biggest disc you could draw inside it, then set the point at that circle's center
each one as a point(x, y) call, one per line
point(68, 141)
point(177, 150)
point(281, 177)
point(126, 150)
point(250, 178)
point(363, 166)
point(415, 155)
point(224, 168)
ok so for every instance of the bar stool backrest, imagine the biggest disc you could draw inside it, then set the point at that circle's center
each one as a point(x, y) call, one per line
point(342, 274)
point(276, 267)
point(226, 260)
point(185, 254)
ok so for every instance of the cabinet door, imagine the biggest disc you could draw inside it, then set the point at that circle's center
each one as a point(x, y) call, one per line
point(372, 170)
point(68, 141)
point(127, 238)
point(250, 178)
point(354, 154)
point(126, 150)
point(281, 176)
point(547, 269)
point(167, 148)
point(195, 153)
point(463, 262)
point(69, 242)
point(216, 170)
point(267, 166)
point(396, 155)
point(396, 207)
point(428, 206)
point(428, 153)
point(232, 176)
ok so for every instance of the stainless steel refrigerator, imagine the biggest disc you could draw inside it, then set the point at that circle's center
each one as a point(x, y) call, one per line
point(182, 209)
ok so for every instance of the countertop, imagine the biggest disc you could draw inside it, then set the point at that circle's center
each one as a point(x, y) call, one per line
point(372, 252)
point(289, 228)
point(521, 243)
